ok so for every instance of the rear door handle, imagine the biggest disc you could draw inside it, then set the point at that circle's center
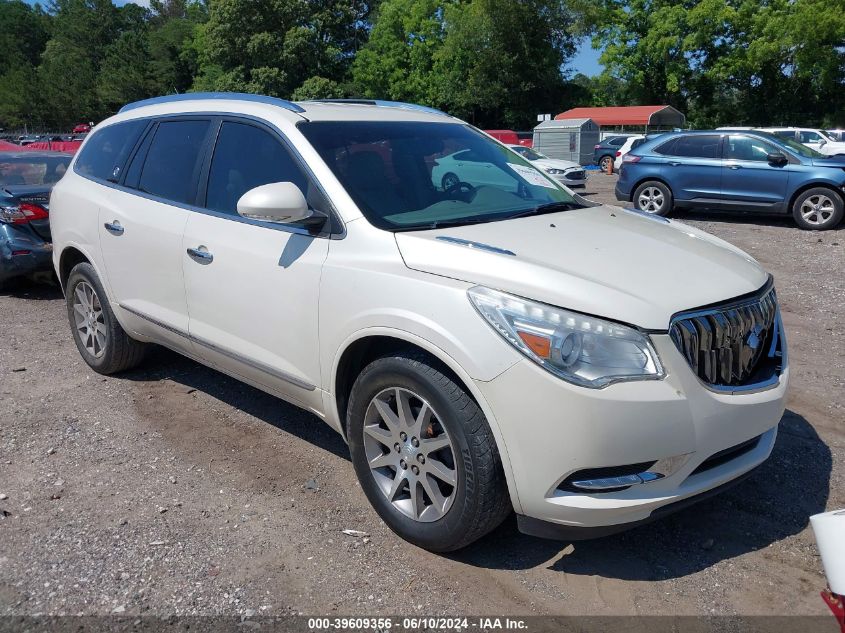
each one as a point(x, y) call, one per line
point(201, 255)
point(674, 163)
point(114, 227)
point(735, 166)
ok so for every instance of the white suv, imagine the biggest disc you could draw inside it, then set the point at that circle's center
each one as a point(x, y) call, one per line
point(813, 138)
point(483, 347)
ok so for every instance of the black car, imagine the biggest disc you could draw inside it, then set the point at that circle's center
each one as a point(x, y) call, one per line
point(605, 152)
point(26, 179)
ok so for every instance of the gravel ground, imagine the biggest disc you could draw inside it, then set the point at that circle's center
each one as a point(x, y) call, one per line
point(176, 490)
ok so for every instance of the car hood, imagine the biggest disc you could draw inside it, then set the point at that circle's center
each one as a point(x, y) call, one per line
point(554, 163)
point(603, 261)
point(830, 161)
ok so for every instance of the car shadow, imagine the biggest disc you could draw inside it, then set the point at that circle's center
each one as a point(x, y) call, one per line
point(32, 290)
point(164, 364)
point(775, 502)
point(734, 217)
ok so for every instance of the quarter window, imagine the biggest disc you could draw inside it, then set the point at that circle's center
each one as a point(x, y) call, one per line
point(747, 148)
point(170, 167)
point(107, 150)
point(697, 146)
point(246, 157)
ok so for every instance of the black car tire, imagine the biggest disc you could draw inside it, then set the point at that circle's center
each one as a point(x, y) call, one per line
point(661, 199)
point(449, 180)
point(605, 162)
point(480, 499)
point(119, 352)
point(818, 209)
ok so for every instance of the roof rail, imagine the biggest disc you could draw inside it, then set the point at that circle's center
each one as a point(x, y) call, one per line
point(381, 103)
point(194, 96)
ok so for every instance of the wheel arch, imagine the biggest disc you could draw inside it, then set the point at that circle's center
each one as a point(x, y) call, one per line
point(70, 257)
point(365, 346)
point(816, 184)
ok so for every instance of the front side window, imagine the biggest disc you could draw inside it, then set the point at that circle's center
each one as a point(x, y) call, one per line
point(246, 157)
point(407, 175)
point(806, 136)
point(747, 148)
point(107, 150)
point(32, 171)
point(170, 167)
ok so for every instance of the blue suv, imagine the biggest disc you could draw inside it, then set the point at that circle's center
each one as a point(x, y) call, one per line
point(743, 170)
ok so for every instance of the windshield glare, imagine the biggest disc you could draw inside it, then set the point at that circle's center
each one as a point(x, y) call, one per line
point(408, 175)
point(792, 145)
point(31, 171)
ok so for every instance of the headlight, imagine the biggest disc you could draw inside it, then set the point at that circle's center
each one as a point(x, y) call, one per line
point(554, 170)
point(581, 349)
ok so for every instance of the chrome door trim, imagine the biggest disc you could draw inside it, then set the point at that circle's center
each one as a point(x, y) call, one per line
point(267, 369)
point(262, 367)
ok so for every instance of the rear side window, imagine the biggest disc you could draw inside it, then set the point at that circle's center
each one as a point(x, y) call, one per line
point(666, 148)
point(170, 168)
point(697, 146)
point(106, 151)
point(617, 141)
point(246, 157)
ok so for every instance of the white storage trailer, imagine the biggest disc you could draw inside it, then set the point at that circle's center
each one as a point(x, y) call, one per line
point(567, 139)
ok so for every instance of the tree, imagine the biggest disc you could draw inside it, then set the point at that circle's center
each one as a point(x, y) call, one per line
point(274, 46)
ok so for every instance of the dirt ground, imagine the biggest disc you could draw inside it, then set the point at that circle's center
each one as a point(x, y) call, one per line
point(176, 490)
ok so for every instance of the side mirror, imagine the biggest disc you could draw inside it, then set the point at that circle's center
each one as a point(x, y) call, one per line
point(776, 158)
point(822, 143)
point(280, 202)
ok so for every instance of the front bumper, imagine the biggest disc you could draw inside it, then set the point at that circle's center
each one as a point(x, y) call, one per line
point(21, 255)
point(552, 429)
point(575, 183)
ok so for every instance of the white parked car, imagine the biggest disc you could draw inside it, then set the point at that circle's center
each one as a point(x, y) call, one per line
point(630, 143)
point(566, 172)
point(813, 138)
point(483, 349)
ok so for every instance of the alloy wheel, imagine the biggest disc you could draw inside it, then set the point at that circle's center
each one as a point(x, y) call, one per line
point(89, 319)
point(651, 200)
point(817, 210)
point(410, 454)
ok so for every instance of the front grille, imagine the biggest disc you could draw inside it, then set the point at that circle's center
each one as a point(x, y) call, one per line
point(733, 344)
point(575, 175)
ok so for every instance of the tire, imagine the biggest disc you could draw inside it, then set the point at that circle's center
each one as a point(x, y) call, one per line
point(818, 209)
point(453, 516)
point(449, 180)
point(654, 197)
point(105, 347)
point(605, 162)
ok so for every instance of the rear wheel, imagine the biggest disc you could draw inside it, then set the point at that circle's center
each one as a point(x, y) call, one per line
point(424, 453)
point(605, 163)
point(653, 197)
point(100, 339)
point(818, 209)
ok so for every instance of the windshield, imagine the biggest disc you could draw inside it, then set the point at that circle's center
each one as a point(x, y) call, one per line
point(32, 171)
point(794, 146)
point(408, 175)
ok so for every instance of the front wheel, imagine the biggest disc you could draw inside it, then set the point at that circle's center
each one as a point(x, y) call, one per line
point(100, 339)
point(818, 209)
point(653, 197)
point(424, 453)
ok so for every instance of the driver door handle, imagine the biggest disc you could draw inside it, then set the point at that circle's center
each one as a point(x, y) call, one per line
point(201, 255)
point(735, 166)
point(114, 227)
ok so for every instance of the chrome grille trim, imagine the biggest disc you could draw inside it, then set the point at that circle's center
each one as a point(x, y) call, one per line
point(725, 344)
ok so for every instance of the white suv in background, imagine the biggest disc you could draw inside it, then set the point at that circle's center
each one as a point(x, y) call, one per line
point(813, 138)
point(488, 347)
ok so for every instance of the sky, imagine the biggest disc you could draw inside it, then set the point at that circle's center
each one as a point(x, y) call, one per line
point(586, 60)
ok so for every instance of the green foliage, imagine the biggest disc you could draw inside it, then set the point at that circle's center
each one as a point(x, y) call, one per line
point(494, 62)
point(728, 61)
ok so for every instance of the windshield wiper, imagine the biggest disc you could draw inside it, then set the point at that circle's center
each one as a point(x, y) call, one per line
point(549, 207)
